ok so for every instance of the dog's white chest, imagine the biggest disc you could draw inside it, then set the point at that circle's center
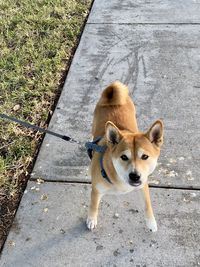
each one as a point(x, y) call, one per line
point(114, 190)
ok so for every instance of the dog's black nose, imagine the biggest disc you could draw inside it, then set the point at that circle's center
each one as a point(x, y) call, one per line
point(134, 177)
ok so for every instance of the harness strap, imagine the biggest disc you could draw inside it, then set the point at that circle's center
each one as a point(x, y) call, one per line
point(93, 146)
point(103, 172)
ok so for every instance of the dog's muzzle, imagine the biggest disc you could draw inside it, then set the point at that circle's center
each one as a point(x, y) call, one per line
point(134, 179)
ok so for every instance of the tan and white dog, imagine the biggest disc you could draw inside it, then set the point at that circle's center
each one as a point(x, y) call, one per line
point(130, 155)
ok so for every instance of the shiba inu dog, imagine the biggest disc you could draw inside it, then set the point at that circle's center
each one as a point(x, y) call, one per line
point(127, 156)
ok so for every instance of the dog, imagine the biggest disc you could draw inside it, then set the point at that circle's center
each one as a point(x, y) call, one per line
point(127, 156)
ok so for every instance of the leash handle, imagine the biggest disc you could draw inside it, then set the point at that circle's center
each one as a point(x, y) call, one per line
point(35, 127)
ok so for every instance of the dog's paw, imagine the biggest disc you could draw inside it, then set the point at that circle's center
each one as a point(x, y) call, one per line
point(91, 223)
point(151, 224)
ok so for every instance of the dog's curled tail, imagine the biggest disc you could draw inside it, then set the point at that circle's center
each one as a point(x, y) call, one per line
point(115, 94)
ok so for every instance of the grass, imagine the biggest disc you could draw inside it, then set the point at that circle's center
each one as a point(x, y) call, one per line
point(37, 39)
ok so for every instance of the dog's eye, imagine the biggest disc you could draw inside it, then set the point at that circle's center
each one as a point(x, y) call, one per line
point(144, 157)
point(124, 157)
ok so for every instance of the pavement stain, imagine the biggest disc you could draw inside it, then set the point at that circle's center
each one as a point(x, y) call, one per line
point(62, 231)
point(33, 203)
point(116, 253)
point(126, 203)
point(133, 211)
point(153, 243)
point(189, 197)
point(15, 226)
point(189, 175)
point(85, 187)
point(116, 215)
point(96, 240)
point(99, 247)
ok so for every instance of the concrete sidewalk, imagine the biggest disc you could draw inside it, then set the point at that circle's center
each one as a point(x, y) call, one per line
point(154, 47)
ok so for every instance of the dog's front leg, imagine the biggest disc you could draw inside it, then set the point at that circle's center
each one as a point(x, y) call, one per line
point(149, 216)
point(93, 209)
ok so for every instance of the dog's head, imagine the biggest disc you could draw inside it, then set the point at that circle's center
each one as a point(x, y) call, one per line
point(134, 155)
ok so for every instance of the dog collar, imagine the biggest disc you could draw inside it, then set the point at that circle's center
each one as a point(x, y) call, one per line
point(93, 146)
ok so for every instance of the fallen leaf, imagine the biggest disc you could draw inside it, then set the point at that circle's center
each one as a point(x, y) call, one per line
point(44, 197)
point(11, 243)
point(172, 160)
point(189, 172)
point(45, 209)
point(40, 181)
point(33, 187)
point(16, 107)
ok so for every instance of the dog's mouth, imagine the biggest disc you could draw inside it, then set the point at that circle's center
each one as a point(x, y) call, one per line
point(135, 183)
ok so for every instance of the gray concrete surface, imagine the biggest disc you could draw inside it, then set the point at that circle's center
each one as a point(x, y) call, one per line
point(58, 237)
point(161, 66)
point(143, 11)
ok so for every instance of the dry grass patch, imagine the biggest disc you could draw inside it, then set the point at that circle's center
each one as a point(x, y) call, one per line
point(37, 39)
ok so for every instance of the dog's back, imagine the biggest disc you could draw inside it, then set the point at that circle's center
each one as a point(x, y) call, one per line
point(114, 105)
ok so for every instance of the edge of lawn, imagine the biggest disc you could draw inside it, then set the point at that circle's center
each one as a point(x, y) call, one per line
point(13, 204)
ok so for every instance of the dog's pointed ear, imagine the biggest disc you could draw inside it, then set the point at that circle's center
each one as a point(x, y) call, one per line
point(113, 134)
point(155, 133)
